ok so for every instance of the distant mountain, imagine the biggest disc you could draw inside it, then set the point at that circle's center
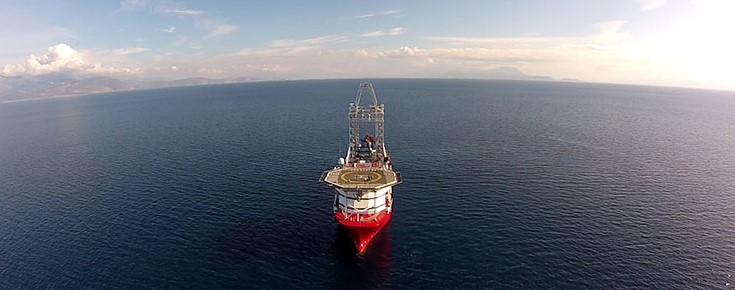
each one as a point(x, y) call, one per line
point(182, 83)
point(500, 73)
point(57, 85)
point(570, 80)
point(506, 72)
point(14, 88)
point(63, 84)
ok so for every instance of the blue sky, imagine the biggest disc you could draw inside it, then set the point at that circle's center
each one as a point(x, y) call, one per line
point(657, 42)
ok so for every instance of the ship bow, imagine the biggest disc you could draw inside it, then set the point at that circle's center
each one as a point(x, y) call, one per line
point(362, 233)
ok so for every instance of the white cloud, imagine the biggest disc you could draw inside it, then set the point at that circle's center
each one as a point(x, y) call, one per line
point(129, 50)
point(392, 32)
point(396, 31)
point(383, 13)
point(265, 68)
point(361, 16)
point(171, 29)
point(101, 69)
point(646, 5)
point(59, 57)
point(402, 52)
point(372, 34)
point(315, 41)
point(183, 11)
point(222, 29)
point(390, 12)
point(64, 58)
point(216, 28)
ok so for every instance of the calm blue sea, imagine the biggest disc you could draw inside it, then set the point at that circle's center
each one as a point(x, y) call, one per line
point(507, 184)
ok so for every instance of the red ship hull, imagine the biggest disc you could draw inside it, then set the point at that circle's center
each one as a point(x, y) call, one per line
point(362, 228)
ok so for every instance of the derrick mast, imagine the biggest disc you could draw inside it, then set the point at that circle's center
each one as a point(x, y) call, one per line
point(361, 116)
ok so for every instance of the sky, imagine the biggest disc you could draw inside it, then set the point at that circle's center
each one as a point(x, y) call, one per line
point(687, 43)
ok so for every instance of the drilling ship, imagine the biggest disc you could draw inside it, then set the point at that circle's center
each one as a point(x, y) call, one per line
point(363, 179)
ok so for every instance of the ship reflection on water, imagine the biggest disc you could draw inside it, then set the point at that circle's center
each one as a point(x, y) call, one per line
point(372, 268)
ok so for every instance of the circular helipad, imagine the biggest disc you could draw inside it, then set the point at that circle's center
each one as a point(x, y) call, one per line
point(361, 177)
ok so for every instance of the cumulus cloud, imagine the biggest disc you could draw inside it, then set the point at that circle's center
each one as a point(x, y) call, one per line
point(402, 52)
point(392, 32)
point(59, 57)
point(64, 58)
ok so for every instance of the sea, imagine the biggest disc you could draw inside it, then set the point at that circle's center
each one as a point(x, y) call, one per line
point(506, 185)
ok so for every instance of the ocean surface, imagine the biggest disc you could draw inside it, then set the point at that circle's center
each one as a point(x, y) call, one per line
point(507, 184)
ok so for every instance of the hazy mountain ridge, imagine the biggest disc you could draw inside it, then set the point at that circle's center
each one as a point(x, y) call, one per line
point(182, 83)
point(61, 84)
point(500, 73)
point(16, 88)
point(12, 88)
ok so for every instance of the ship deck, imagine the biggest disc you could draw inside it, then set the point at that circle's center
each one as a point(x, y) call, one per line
point(361, 178)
